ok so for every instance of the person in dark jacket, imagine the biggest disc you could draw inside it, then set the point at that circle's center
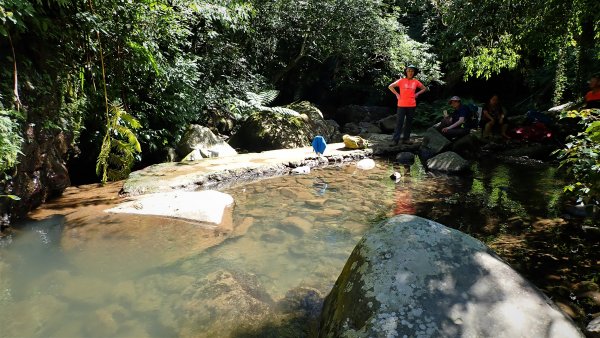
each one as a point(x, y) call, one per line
point(454, 126)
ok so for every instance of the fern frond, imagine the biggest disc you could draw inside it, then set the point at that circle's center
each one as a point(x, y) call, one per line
point(132, 140)
point(132, 121)
point(116, 109)
point(115, 175)
point(241, 103)
point(254, 100)
point(119, 145)
point(145, 52)
point(121, 161)
point(283, 111)
point(268, 96)
point(12, 197)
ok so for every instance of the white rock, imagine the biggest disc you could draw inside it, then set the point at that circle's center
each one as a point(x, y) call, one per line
point(204, 206)
point(365, 164)
point(396, 176)
point(594, 326)
point(561, 107)
point(301, 170)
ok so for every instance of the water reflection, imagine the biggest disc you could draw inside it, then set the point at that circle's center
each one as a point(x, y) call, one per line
point(125, 275)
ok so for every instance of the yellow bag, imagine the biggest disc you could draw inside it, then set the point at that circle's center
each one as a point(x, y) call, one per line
point(355, 142)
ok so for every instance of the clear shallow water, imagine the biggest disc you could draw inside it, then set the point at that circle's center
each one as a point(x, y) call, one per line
point(98, 275)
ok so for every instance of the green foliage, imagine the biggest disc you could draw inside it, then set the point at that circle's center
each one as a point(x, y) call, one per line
point(14, 12)
point(119, 146)
point(401, 51)
point(359, 38)
point(257, 102)
point(10, 139)
point(483, 38)
point(581, 155)
point(487, 61)
point(429, 114)
point(171, 62)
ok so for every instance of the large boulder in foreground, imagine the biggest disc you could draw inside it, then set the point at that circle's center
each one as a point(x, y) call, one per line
point(412, 277)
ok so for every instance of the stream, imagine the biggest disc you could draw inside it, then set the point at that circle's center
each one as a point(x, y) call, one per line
point(74, 271)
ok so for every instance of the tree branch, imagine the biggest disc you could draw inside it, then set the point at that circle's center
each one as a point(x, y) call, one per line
point(293, 63)
point(15, 75)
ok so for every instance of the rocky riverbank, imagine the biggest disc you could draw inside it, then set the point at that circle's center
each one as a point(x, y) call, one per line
point(221, 172)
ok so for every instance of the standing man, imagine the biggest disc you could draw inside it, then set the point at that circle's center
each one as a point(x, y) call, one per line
point(407, 101)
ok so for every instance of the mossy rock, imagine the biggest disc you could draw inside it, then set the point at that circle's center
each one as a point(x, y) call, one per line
point(267, 130)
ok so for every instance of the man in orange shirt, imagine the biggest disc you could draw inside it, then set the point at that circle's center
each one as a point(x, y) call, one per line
point(407, 101)
point(592, 98)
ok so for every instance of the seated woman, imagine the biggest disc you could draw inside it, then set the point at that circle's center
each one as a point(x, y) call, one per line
point(493, 116)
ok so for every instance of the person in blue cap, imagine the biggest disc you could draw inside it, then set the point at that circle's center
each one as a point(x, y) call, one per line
point(455, 126)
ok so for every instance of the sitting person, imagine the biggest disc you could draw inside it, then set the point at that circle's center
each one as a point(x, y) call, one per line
point(454, 126)
point(493, 115)
point(592, 98)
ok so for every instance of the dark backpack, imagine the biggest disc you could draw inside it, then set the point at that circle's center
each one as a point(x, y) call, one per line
point(472, 121)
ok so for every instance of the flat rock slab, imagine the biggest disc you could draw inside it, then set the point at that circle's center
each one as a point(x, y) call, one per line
point(202, 206)
point(214, 173)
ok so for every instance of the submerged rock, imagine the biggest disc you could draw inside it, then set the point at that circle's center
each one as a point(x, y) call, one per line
point(413, 277)
point(237, 298)
point(33, 317)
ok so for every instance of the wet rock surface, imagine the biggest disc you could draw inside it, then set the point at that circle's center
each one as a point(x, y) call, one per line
point(40, 174)
point(217, 173)
point(434, 141)
point(206, 206)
